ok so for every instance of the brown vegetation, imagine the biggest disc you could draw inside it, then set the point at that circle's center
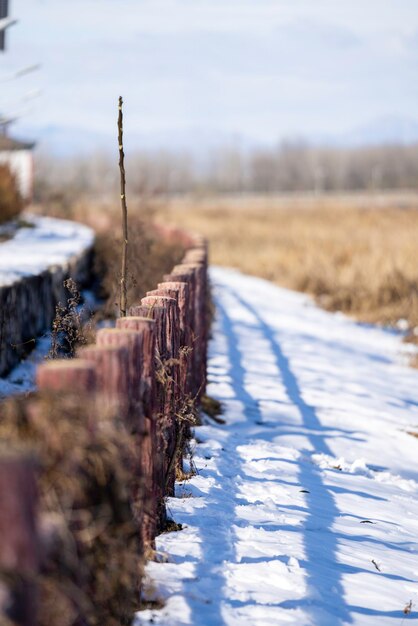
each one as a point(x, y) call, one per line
point(149, 255)
point(91, 567)
point(68, 331)
point(149, 258)
point(11, 202)
point(354, 254)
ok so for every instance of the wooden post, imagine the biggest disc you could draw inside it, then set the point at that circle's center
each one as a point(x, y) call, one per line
point(182, 293)
point(145, 327)
point(188, 277)
point(131, 340)
point(111, 364)
point(72, 377)
point(19, 545)
point(201, 321)
point(67, 375)
point(159, 315)
point(150, 455)
point(168, 344)
point(195, 255)
point(191, 273)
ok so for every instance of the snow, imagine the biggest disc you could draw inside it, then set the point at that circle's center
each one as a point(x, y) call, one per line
point(50, 242)
point(22, 377)
point(304, 510)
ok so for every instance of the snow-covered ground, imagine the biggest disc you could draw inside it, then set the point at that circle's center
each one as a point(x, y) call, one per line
point(21, 379)
point(49, 242)
point(304, 510)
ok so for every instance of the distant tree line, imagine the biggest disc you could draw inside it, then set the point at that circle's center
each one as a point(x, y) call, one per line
point(291, 167)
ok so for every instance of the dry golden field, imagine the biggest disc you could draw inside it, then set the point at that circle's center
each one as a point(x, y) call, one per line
point(354, 253)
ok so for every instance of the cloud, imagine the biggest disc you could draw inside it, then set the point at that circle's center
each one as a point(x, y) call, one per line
point(260, 68)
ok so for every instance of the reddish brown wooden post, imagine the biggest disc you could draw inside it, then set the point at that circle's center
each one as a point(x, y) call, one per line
point(193, 270)
point(111, 365)
point(182, 274)
point(201, 320)
point(145, 327)
point(118, 361)
point(181, 291)
point(150, 453)
point(188, 278)
point(67, 375)
point(184, 396)
point(158, 314)
point(195, 255)
point(74, 377)
point(130, 339)
point(168, 335)
point(19, 545)
point(169, 326)
point(198, 273)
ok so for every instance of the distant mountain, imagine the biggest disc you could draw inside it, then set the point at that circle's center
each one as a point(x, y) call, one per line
point(200, 143)
point(384, 130)
point(197, 142)
point(68, 141)
point(387, 130)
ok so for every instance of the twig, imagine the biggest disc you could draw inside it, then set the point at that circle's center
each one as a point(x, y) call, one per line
point(376, 565)
point(123, 304)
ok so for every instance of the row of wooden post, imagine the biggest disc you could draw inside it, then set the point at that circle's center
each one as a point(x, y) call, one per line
point(151, 369)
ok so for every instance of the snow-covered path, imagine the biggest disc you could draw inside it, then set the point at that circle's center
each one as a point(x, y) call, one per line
point(305, 507)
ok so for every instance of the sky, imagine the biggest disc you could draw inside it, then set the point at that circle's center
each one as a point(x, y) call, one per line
point(245, 71)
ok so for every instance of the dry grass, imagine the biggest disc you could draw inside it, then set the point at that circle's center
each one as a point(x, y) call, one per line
point(11, 203)
point(149, 256)
point(357, 254)
point(91, 568)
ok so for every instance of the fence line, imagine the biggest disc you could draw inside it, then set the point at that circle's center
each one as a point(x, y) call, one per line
point(151, 369)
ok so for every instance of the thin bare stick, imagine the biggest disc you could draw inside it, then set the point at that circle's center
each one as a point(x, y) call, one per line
point(123, 304)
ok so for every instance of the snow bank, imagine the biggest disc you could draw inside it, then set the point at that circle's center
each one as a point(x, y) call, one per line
point(33, 266)
point(50, 242)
